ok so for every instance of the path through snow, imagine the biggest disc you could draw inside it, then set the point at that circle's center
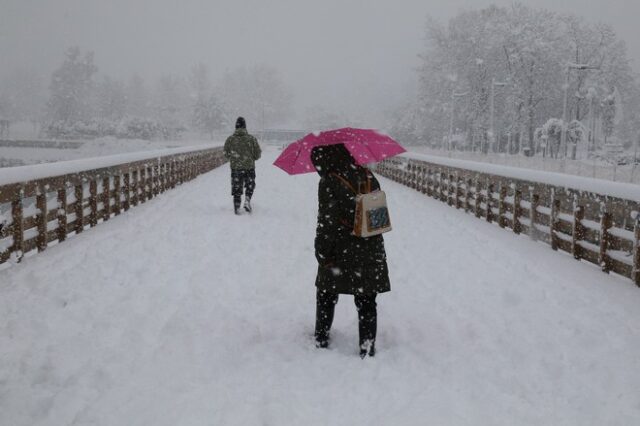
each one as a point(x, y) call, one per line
point(180, 313)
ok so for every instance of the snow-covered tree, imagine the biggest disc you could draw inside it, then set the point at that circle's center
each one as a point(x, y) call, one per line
point(552, 132)
point(171, 104)
point(608, 116)
point(259, 94)
point(598, 46)
point(200, 82)
point(22, 96)
point(527, 53)
point(71, 88)
point(404, 120)
point(210, 115)
point(111, 99)
point(137, 98)
point(534, 56)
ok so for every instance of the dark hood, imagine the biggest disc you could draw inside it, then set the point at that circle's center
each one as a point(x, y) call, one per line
point(333, 158)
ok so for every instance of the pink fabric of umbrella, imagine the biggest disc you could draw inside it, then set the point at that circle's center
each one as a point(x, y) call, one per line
point(365, 145)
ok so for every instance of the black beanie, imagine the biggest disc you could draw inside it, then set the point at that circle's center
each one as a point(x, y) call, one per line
point(240, 123)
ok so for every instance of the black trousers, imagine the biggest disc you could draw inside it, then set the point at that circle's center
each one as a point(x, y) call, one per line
point(242, 180)
point(367, 315)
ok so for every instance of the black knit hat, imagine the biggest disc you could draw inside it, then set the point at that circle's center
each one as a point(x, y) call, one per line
point(240, 123)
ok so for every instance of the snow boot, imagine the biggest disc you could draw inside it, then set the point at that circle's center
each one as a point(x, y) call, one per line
point(325, 309)
point(247, 205)
point(367, 324)
point(322, 342)
point(368, 347)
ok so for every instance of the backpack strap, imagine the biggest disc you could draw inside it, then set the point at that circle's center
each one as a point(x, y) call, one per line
point(367, 183)
point(348, 184)
point(344, 181)
point(368, 186)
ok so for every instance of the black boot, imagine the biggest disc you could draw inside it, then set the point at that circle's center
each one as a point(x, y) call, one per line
point(368, 348)
point(367, 324)
point(236, 205)
point(325, 309)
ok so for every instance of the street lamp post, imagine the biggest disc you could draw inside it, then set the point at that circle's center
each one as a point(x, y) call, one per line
point(454, 96)
point(635, 158)
point(592, 126)
point(494, 84)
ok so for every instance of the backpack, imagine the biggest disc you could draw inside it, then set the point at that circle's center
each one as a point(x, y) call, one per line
point(372, 213)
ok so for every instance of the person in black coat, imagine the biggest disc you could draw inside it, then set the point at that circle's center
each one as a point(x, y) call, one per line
point(347, 264)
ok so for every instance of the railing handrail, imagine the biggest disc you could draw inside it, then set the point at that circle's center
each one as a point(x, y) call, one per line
point(601, 187)
point(592, 226)
point(49, 202)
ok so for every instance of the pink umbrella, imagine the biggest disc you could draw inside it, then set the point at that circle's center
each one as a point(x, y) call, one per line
point(365, 145)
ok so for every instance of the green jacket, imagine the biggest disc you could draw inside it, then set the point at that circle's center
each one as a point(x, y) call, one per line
point(242, 150)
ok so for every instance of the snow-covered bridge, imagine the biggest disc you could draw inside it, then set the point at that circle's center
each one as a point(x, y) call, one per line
point(180, 313)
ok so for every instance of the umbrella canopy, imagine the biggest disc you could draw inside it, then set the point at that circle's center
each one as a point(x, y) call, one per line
point(365, 146)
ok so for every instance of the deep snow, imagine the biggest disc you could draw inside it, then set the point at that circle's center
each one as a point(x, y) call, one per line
point(90, 149)
point(10, 175)
point(180, 313)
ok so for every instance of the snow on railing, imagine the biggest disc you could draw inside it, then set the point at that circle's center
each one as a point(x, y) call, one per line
point(46, 203)
point(593, 220)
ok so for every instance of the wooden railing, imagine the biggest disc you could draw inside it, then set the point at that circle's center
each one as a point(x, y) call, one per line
point(46, 210)
point(597, 228)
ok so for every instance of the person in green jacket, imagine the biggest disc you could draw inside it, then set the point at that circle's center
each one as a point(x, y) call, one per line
point(242, 151)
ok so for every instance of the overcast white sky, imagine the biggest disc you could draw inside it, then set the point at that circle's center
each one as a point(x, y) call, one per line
point(327, 50)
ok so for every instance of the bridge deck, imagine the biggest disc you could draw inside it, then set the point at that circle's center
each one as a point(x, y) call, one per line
point(181, 313)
